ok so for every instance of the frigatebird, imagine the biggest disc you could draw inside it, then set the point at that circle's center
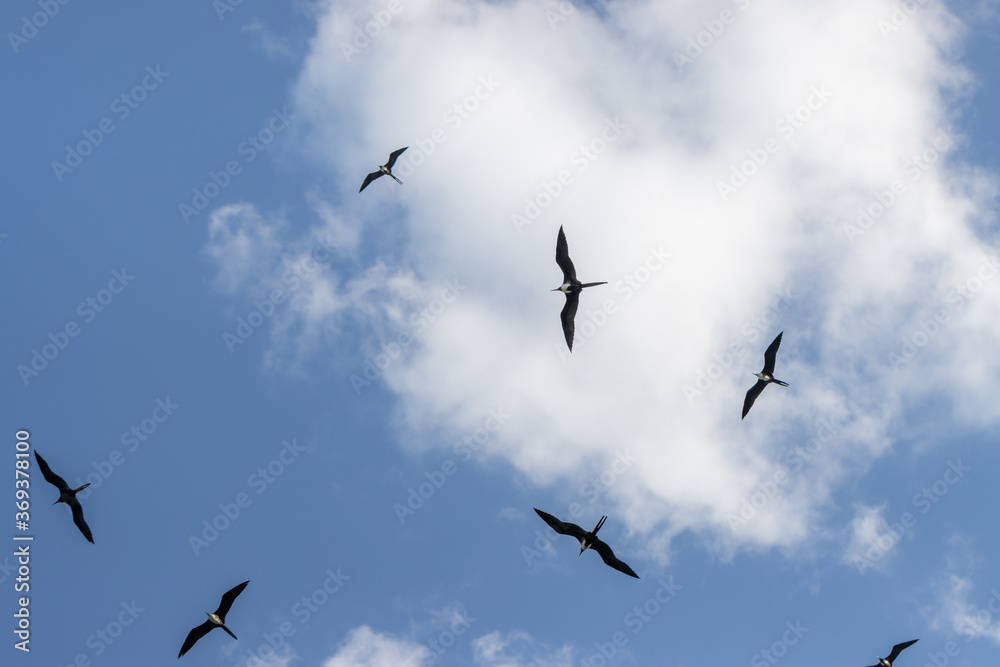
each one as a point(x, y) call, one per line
point(571, 288)
point(216, 620)
point(385, 169)
point(66, 495)
point(588, 540)
point(896, 650)
point(765, 377)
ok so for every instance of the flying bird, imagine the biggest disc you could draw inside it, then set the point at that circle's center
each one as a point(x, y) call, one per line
point(571, 288)
point(216, 620)
point(896, 650)
point(588, 540)
point(385, 169)
point(66, 495)
point(765, 377)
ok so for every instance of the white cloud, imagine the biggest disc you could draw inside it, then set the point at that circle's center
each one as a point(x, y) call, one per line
point(243, 245)
point(273, 45)
point(284, 657)
point(960, 606)
point(518, 649)
point(294, 282)
point(364, 647)
point(872, 540)
point(496, 106)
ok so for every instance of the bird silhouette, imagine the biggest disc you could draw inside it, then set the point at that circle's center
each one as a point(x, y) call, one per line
point(385, 169)
point(66, 495)
point(896, 650)
point(765, 377)
point(588, 540)
point(216, 620)
point(570, 287)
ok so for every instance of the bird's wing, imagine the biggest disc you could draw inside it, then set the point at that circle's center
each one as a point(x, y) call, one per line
point(78, 520)
point(608, 556)
point(195, 635)
point(393, 156)
point(227, 600)
point(562, 258)
point(369, 178)
point(898, 648)
point(561, 527)
point(752, 395)
point(50, 476)
point(770, 354)
point(568, 317)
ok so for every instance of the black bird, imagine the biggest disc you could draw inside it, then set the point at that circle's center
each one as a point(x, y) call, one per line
point(66, 495)
point(385, 169)
point(571, 287)
point(588, 540)
point(216, 620)
point(896, 650)
point(765, 377)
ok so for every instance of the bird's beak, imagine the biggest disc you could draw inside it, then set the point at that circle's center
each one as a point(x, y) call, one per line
point(556, 289)
point(581, 552)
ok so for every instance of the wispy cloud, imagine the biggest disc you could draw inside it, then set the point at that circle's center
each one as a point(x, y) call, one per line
point(962, 605)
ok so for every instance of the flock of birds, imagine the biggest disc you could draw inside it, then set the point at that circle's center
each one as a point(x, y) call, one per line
point(571, 288)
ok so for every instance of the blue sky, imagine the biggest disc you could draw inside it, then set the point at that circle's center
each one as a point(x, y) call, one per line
point(400, 398)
